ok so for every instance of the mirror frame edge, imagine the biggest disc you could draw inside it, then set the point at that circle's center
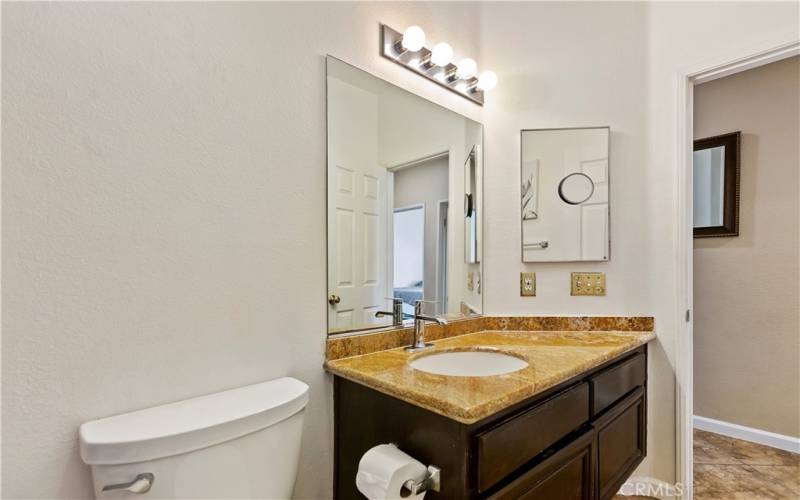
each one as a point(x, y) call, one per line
point(519, 197)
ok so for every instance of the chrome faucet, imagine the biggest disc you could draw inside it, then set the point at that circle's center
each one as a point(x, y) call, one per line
point(396, 313)
point(419, 327)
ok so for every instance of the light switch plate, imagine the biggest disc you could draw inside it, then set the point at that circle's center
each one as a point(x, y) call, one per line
point(588, 284)
point(527, 284)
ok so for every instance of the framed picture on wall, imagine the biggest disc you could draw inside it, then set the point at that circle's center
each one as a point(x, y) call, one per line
point(716, 186)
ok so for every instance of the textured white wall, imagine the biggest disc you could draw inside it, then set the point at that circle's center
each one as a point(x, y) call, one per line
point(576, 65)
point(163, 193)
point(588, 64)
point(164, 209)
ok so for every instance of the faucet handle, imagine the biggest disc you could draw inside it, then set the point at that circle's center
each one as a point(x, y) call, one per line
point(418, 304)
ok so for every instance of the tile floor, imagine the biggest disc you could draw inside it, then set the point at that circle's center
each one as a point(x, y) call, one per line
point(732, 469)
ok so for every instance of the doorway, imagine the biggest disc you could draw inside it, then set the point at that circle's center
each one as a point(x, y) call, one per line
point(441, 257)
point(685, 314)
point(420, 189)
point(745, 274)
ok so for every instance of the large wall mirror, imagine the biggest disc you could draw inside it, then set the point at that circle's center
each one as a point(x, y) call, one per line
point(404, 204)
point(564, 194)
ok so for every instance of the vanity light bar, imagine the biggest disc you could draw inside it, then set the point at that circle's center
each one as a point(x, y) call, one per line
point(408, 50)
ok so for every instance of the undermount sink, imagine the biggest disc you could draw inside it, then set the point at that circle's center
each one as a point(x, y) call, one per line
point(468, 363)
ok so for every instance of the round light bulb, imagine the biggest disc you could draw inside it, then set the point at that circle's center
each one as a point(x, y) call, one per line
point(466, 68)
point(413, 38)
point(442, 54)
point(487, 81)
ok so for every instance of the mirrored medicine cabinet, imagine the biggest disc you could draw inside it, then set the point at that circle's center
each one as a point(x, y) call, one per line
point(564, 194)
point(404, 204)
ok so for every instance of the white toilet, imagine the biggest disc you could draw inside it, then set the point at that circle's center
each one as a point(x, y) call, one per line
point(242, 443)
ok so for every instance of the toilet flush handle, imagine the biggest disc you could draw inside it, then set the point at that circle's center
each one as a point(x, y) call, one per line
point(140, 484)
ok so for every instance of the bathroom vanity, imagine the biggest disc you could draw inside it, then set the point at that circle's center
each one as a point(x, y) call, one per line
point(571, 425)
point(503, 407)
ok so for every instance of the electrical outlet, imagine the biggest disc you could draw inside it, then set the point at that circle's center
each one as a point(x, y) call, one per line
point(588, 284)
point(470, 281)
point(527, 284)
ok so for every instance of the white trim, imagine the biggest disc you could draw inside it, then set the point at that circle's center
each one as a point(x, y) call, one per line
point(441, 292)
point(417, 161)
point(751, 434)
point(456, 280)
point(389, 294)
point(790, 49)
point(406, 208)
point(686, 79)
point(684, 371)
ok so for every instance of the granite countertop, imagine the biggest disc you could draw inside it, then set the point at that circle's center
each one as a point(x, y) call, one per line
point(553, 357)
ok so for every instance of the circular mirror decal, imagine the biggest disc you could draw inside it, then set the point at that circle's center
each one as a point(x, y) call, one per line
point(576, 188)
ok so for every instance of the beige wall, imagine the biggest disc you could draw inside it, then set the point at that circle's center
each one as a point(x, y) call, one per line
point(747, 289)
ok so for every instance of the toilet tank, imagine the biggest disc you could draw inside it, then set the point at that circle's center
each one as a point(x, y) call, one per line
point(241, 443)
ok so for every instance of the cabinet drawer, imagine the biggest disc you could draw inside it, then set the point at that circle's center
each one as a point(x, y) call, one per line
point(621, 446)
point(504, 448)
point(566, 475)
point(612, 384)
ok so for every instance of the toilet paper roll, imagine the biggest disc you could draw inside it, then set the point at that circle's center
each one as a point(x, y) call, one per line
point(383, 470)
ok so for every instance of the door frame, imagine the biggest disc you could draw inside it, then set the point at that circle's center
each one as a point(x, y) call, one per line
point(390, 171)
point(442, 213)
point(686, 79)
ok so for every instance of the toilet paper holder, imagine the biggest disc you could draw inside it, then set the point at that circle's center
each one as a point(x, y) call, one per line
point(432, 482)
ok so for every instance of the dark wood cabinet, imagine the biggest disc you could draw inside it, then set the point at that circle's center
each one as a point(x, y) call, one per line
point(608, 386)
point(621, 442)
point(579, 440)
point(510, 444)
point(566, 475)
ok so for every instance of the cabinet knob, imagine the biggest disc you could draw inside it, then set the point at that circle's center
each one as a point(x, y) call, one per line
point(334, 299)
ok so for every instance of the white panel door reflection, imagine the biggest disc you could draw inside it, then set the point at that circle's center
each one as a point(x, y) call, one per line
point(357, 212)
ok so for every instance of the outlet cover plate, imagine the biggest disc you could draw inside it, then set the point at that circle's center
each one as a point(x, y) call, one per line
point(588, 284)
point(527, 284)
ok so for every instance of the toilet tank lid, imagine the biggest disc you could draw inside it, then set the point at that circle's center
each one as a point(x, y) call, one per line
point(190, 424)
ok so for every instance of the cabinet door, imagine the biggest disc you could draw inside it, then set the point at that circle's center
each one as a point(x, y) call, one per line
point(612, 384)
point(621, 438)
point(566, 475)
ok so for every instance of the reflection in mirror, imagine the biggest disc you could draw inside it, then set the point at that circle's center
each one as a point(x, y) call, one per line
point(716, 186)
point(399, 229)
point(709, 186)
point(471, 230)
point(564, 195)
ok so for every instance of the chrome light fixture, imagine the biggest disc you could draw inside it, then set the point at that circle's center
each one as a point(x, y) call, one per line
point(408, 50)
